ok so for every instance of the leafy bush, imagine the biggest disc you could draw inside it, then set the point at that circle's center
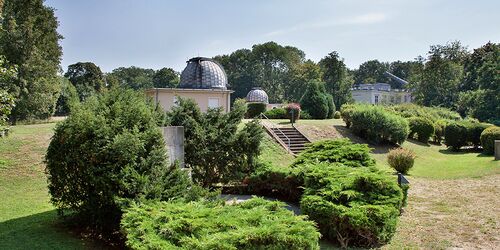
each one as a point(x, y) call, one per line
point(305, 116)
point(341, 151)
point(376, 125)
point(110, 148)
point(296, 111)
point(67, 99)
point(439, 127)
point(422, 127)
point(474, 131)
point(408, 110)
point(346, 112)
point(253, 224)
point(488, 137)
point(455, 135)
point(331, 106)
point(336, 115)
point(401, 159)
point(277, 113)
point(214, 149)
point(315, 100)
point(255, 109)
point(357, 206)
point(6, 106)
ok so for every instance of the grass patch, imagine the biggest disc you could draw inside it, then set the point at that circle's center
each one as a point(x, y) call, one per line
point(273, 153)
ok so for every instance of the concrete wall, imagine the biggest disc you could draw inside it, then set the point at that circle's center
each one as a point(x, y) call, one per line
point(166, 97)
point(174, 144)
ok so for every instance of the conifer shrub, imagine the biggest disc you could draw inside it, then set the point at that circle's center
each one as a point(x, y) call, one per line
point(488, 137)
point(352, 206)
point(455, 135)
point(276, 113)
point(278, 182)
point(336, 115)
point(110, 149)
point(255, 109)
point(315, 100)
point(423, 128)
point(253, 224)
point(401, 159)
point(332, 151)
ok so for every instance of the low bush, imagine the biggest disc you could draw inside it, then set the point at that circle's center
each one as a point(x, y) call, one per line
point(474, 130)
point(253, 224)
point(336, 115)
point(277, 182)
point(336, 151)
point(488, 137)
point(401, 159)
point(422, 127)
point(408, 110)
point(7, 103)
point(455, 135)
point(346, 112)
point(276, 113)
point(439, 127)
point(304, 115)
point(295, 107)
point(110, 148)
point(255, 109)
point(353, 206)
point(377, 125)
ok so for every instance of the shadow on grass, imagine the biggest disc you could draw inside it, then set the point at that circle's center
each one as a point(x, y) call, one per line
point(471, 150)
point(41, 231)
point(418, 142)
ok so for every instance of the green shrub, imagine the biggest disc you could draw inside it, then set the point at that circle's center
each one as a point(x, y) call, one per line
point(439, 127)
point(346, 112)
point(376, 125)
point(474, 131)
point(276, 113)
point(422, 127)
point(401, 159)
point(305, 116)
point(255, 109)
point(331, 106)
point(6, 106)
point(108, 149)
point(455, 135)
point(354, 206)
point(253, 224)
point(408, 110)
point(336, 115)
point(295, 107)
point(488, 137)
point(341, 151)
point(278, 182)
point(67, 99)
point(315, 100)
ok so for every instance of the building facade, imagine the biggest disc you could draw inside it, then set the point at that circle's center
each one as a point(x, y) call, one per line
point(380, 93)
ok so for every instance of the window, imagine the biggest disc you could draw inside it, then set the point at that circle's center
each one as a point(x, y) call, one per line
point(213, 103)
point(376, 99)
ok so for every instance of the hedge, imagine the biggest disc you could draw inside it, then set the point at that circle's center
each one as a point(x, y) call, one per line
point(276, 113)
point(439, 127)
point(474, 131)
point(455, 135)
point(255, 109)
point(253, 224)
point(408, 110)
point(346, 112)
point(422, 127)
point(488, 137)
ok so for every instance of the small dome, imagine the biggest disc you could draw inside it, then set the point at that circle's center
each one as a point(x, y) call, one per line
point(203, 73)
point(257, 95)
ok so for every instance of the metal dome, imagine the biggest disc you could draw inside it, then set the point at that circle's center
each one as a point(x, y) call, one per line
point(203, 73)
point(257, 95)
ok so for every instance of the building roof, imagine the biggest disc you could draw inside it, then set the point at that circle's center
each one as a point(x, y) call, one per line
point(203, 73)
point(257, 95)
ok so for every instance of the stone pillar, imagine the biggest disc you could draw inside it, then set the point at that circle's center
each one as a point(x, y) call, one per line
point(497, 149)
point(174, 144)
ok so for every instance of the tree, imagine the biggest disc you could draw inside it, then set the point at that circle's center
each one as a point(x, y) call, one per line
point(166, 78)
point(299, 77)
point(337, 78)
point(315, 100)
point(406, 70)
point(30, 40)
point(134, 77)
point(68, 97)
point(371, 72)
point(87, 79)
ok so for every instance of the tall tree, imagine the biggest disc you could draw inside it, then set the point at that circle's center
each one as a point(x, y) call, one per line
point(87, 79)
point(133, 77)
point(166, 78)
point(371, 72)
point(406, 70)
point(337, 78)
point(30, 40)
point(300, 77)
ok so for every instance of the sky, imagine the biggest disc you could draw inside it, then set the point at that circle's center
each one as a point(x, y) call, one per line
point(166, 33)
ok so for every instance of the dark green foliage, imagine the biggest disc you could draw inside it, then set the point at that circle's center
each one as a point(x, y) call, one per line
point(166, 78)
point(315, 100)
point(474, 130)
point(336, 151)
point(408, 110)
point(377, 125)
point(276, 113)
point(67, 99)
point(346, 112)
point(336, 115)
point(305, 116)
point(214, 148)
point(331, 106)
point(292, 111)
point(132, 77)
point(255, 109)
point(253, 224)
point(6, 106)
point(87, 79)
point(455, 135)
point(354, 206)
point(439, 127)
point(109, 149)
point(488, 137)
point(337, 78)
point(29, 40)
point(371, 72)
point(279, 182)
point(421, 127)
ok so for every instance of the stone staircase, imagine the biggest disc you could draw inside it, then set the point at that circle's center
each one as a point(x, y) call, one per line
point(297, 139)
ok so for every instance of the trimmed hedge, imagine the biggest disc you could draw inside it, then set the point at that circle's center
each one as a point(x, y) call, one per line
point(279, 182)
point(255, 109)
point(377, 125)
point(439, 127)
point(422, 127)
point(455, 135)
point(253, 224)
point(346, 112)
point(277, 113)
point(488, 137)
point(474, 130)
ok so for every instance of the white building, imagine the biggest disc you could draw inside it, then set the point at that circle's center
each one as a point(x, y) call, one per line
point(381, 93)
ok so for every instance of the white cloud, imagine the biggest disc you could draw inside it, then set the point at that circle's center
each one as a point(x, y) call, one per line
point(365, 19)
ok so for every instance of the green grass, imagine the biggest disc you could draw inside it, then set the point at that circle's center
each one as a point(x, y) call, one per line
point(273, 153)
point(27, 219)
